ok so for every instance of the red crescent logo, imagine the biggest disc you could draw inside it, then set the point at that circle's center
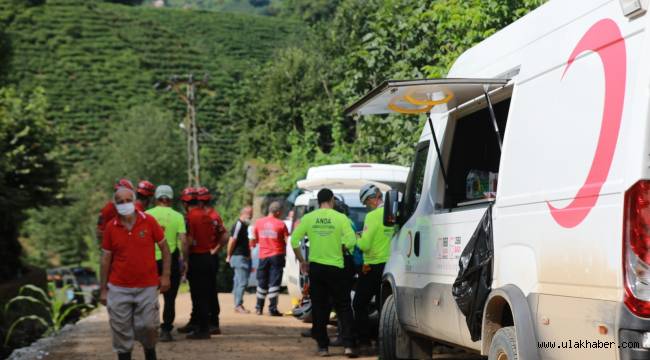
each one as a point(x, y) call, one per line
point(605, 39)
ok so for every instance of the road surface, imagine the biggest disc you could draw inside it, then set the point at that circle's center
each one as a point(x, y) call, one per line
point(245, 337)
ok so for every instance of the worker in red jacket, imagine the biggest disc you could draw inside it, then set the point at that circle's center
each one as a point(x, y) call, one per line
point(201, 270)
point(221, 237)
point(271, 234)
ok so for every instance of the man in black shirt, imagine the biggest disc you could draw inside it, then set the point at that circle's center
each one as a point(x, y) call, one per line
point(239, 257)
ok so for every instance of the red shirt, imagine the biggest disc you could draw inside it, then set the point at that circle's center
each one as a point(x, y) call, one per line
point(217, 221)
point(202, 230)
point(271, 234)
point(109, 212)
point(134, 260)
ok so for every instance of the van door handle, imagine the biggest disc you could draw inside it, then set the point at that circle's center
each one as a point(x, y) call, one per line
point(416, 244)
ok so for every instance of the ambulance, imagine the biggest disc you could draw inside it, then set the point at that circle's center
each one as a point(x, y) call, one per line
point(538, 139)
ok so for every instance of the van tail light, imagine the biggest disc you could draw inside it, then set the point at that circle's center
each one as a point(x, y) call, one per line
point(636, 249)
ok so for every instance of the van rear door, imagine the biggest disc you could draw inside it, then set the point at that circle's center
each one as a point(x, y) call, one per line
point(429, 242)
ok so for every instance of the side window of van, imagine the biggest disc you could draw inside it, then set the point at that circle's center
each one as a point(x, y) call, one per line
point(475, 156)
point(415, 180)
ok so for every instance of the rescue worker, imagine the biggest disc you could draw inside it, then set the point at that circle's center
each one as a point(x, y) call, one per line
point(201, 268)
point(129, 276)
point(328, 231)
point(239, 257)
point(187, 195)
point(108, 212)
point(221, 236)
point(145, 193)
point(173, 225)
point(271, 234)
point(348, 266)
point(375, 245)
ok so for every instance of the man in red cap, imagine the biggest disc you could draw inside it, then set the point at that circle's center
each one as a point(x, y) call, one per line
point(188, 195)
point(203, 240)
point(205, 199)
point(144, 193)
point(108, 212)
point(129, 275)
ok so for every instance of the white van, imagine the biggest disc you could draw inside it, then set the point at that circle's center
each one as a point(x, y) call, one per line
point(344, 180)
point(549, 118)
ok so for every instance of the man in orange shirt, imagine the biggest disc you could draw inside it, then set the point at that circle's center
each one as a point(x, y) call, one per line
point(271, 234)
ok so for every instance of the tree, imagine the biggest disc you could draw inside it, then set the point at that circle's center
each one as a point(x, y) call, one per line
point(144, 144)
point(29, 172)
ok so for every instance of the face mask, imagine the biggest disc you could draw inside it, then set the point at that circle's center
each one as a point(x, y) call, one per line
point(125, 209)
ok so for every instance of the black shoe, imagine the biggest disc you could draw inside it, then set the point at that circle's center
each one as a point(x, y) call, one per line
point(165, 336)
point(366, 349)
point(275, 313)
point(323, 352)
point(124, 356)
point(306, 333)
point(187, 328)
point(215, 330)
point(150, 354)
point(196, 335)
point(258, 311)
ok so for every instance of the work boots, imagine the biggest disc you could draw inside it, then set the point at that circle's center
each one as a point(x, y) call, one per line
point(124, 356)
point(150, 354)
point(273, 307)
point(259, 307)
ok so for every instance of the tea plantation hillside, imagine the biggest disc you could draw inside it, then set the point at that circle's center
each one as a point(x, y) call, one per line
point(117, 53)
point(244, 6)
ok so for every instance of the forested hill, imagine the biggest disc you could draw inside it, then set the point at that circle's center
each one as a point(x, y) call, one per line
point(84, 73)
point(116, 53)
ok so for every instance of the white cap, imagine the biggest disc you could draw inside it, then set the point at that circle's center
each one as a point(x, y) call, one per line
point(164, 191)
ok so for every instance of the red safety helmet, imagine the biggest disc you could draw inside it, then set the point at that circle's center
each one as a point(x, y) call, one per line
point(145, 188)
point(188, 194)
point(203, 194)
point(125, 183)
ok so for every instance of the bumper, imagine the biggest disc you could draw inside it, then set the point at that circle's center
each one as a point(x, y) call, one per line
point(630, 333)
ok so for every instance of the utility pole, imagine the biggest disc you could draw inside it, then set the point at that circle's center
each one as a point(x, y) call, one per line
point(186, 87)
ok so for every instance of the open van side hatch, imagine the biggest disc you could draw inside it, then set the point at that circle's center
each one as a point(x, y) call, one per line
point(427, 95)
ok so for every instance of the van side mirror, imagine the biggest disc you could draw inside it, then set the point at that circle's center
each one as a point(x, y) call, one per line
point(391, 208)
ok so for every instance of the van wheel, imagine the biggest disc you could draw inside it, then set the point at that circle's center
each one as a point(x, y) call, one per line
point(504, 345)
point(388, 330)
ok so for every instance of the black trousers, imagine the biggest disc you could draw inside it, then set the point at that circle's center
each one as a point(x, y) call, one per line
point(329, 285)
point(215, 309)
point(368, 285)
point(169, 309)
point(202, 278)
point(269, 280)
